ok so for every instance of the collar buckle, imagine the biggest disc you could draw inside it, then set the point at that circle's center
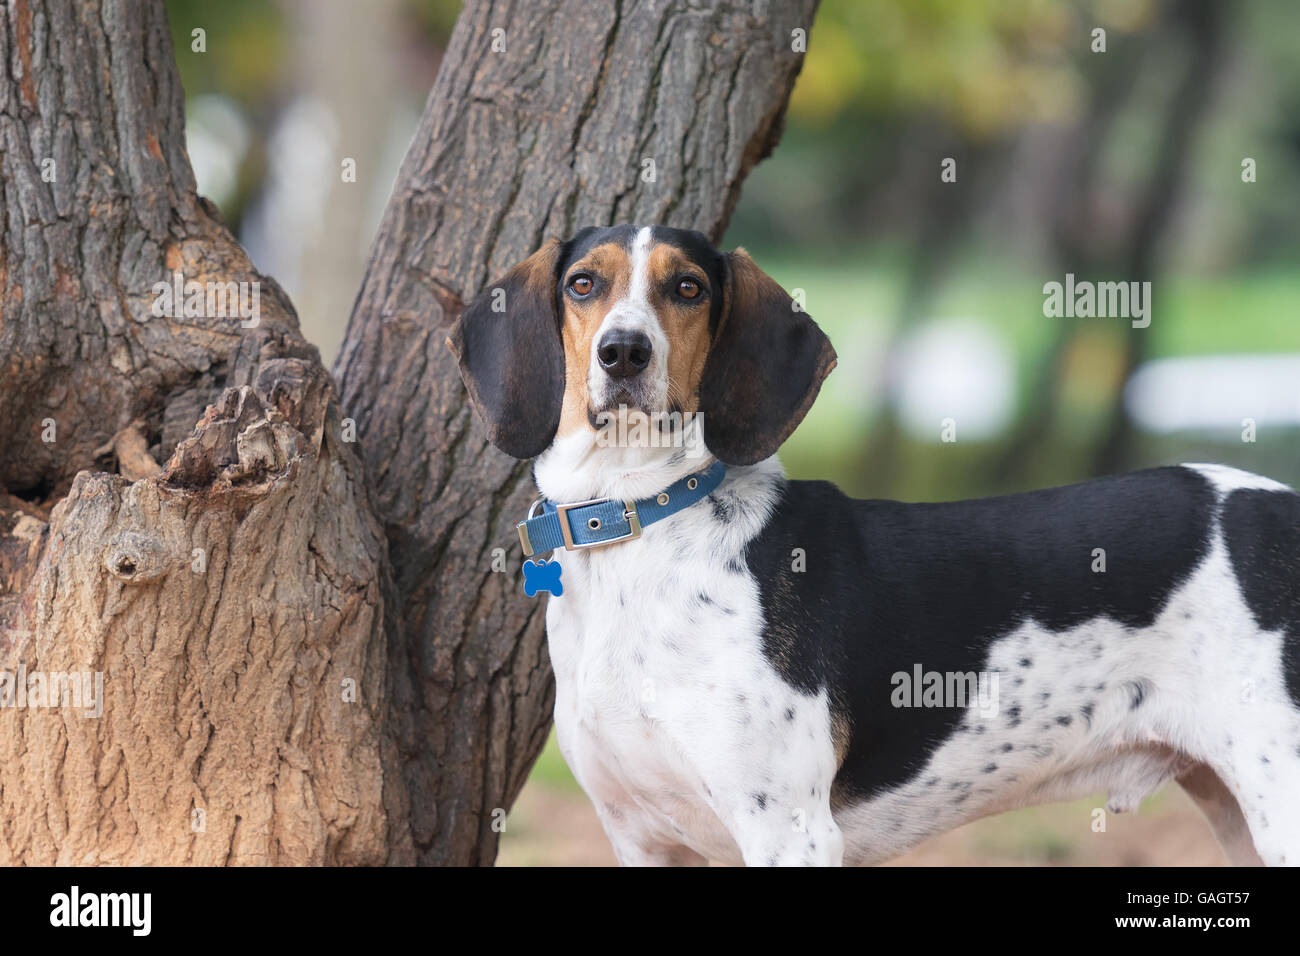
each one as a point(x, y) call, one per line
point(629, 515)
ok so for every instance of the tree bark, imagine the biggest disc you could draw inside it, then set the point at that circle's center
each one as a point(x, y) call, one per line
point(306, 657)
point(224, 599)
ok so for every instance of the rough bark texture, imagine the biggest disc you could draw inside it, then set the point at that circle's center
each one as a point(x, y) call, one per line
point(222, 668)
point(539, 140)
point(272, 692)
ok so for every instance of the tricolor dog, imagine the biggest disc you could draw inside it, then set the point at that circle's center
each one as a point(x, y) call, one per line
point(736, 653)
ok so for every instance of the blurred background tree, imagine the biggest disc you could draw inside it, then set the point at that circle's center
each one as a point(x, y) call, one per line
point(1122, 165)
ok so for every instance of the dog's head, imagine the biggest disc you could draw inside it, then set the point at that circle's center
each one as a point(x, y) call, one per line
point(646, 318)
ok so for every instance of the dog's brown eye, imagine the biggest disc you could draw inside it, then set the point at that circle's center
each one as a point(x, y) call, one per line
point(688, 288)
point(580, 285)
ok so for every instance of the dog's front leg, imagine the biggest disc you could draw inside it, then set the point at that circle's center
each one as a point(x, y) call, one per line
point(786, 832)
point(635, 845)
point(769, 777)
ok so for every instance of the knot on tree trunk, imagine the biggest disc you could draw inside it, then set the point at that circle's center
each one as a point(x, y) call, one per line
point(136, 558)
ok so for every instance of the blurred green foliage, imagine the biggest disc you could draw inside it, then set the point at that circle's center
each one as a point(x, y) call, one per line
point(851, 295)
point(245, 48)
point(844, 209)
point(986, 66)
point(437, 17)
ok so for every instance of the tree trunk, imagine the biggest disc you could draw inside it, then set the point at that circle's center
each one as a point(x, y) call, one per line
point(271, 691)
point(1202, 22)
point(225, 598)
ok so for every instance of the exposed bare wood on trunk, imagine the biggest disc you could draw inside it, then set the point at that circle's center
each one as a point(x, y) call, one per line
point(182, 506)
point(223, 667)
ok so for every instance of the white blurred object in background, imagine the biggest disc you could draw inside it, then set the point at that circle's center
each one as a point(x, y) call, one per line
point(1215, 392)
point(958, 369)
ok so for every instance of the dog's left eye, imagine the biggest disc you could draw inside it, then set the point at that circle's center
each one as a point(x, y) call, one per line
point(688, 288)
point(581, 285)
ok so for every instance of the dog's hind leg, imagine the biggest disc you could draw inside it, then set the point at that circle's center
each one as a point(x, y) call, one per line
point(1223, 812)
point(1262, 773)
point(1273, 815)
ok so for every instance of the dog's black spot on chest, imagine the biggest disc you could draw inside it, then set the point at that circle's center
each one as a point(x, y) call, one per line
point(886, 586)
point(1137, 692)
point(1262, 531)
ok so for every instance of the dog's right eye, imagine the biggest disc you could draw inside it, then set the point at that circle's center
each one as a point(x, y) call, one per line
point(581, 285)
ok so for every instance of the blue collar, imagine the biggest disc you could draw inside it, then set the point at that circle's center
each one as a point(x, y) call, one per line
point(601, 521)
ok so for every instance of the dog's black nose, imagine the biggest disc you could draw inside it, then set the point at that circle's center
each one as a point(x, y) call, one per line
point(624, 353)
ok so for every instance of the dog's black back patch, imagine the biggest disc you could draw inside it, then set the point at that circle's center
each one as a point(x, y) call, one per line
point(1262, 531)
point(886, 586)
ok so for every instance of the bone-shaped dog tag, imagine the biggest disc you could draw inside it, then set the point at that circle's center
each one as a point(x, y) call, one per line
point(542, 575)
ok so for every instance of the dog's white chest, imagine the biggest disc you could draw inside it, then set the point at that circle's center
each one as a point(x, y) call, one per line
point(644, 654)
point(668, 711)
point(660, 680)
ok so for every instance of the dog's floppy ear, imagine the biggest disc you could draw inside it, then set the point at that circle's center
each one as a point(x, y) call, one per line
point(764, 369)
point(507, 342)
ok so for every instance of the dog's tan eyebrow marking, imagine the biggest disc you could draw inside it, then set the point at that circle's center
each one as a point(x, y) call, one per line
point(668, 262)
point(609, 261)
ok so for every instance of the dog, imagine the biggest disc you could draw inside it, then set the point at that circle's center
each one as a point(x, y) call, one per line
point(732, 650)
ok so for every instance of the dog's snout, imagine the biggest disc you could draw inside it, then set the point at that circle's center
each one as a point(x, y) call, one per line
point(624, 353)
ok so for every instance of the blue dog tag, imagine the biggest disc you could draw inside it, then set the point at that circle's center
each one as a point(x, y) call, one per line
point(542, 575)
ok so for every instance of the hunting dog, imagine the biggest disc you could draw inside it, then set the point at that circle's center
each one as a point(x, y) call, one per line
point(733, 650)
